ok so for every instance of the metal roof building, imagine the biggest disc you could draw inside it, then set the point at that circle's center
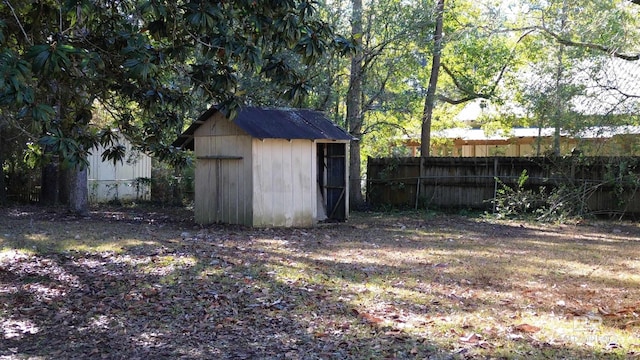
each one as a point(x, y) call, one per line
point(268, 167)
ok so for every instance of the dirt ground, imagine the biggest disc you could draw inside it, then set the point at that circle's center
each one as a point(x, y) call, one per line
point(146, 282)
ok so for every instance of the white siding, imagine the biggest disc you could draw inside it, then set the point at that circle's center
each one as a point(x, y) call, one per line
point(107, 182)
point(283, 173)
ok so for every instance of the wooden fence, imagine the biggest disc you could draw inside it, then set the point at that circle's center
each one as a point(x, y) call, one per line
point(610, 184)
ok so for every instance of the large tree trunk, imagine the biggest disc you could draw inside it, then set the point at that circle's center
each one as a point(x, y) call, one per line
point(3, 185)
point(49, 184)
point(557, 121)
point(78, 191)
point(64, 189)
point(354, 108)
point(430, 99)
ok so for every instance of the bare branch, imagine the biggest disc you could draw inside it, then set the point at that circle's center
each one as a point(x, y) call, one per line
point(451, 101)
point(624, 94)
point(382, 124)
point(473, 95)
point(609, 50)
point(379, 91)
point(18, 21)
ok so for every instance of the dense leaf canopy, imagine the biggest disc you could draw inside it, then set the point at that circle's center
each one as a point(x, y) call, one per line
point(145, 64)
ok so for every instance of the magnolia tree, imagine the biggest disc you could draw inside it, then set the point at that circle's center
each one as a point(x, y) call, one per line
point(147, 65)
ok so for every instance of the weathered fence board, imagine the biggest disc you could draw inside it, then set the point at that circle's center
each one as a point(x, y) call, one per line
point(459, 182)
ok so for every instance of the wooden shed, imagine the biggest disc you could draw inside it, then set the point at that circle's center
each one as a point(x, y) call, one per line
point(268, 167)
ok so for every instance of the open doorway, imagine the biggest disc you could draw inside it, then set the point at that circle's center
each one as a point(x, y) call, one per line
point(332, 182)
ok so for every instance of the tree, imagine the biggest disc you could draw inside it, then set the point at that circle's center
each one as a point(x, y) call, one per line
point(567, 37)
point(354, 105)
point(3, 186)
point(144, 62)
point(430, 98)
point(475, 56)
point(371, 94)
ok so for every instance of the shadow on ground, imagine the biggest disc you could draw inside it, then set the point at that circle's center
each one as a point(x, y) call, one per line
point(146, 283)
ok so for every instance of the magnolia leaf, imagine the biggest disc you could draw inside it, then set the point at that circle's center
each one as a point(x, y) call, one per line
point(40, 56)
point(114, 154)
point(42, 112)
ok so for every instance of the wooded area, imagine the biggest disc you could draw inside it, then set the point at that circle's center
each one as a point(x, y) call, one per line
point(72, 73)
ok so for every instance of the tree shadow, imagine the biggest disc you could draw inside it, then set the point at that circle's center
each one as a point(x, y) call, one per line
point(220, 292)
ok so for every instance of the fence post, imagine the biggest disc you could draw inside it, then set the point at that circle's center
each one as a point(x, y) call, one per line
point(417, 192)
point(495, 182)
point(418, 182)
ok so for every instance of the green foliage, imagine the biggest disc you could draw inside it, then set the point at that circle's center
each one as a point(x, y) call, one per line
point(568, 196)
point(33, 156)
point(514, 201)
point(151, 65)
point(114, 154)
point(48, 59)
point(624, 177)
point(173, 185)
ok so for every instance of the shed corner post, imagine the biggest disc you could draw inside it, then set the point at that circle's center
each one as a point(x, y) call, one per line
point(347, 158)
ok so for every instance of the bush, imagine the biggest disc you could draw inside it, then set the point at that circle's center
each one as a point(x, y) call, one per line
point(170, 186)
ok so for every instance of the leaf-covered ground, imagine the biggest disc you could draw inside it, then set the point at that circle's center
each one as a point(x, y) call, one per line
point(145, 283)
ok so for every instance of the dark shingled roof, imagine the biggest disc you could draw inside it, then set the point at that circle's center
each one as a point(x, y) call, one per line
point(268, 123)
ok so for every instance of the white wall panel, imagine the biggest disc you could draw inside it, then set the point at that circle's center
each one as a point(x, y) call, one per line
point(107, 182)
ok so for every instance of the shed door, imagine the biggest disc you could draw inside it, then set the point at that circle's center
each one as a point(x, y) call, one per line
point(332, 179)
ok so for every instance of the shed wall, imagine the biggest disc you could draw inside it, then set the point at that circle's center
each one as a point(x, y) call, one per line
point(284, 178)
point(223, 180)
point(107, 182)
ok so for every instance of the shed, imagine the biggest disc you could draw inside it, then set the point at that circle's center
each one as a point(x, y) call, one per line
point(128, 180)
point(268, 168)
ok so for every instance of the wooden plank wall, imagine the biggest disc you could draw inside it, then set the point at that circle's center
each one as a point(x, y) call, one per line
point(223, 182)
point(461, 182)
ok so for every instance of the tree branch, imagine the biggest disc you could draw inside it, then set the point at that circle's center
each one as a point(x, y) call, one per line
point(381, 124)
point(378, 93)
point(473, 95)
point(18, 22)
point(451, 101)
point(611, 51)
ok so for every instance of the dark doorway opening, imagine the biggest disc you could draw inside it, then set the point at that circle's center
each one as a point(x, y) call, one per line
point(332, 181)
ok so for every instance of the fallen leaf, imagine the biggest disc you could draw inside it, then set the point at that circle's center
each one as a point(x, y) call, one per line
point(631, 323)
point(371, 319)
point(604, 311)
point(526, 328)
point(471, 338)
point(627, 310)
